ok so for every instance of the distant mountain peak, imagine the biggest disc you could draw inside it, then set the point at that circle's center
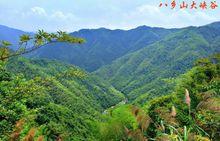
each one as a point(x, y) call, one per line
point(143, 27)
point(98, 29)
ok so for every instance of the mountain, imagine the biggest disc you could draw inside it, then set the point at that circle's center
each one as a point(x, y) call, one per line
point(143, 74)
point(102, 46)
point(10, 34)
point(51, 98)
point(48, 100)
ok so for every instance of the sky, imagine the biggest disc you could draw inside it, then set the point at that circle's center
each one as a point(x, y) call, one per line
point(72, 15)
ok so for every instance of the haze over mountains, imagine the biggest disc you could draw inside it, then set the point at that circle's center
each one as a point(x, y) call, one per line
point(102, 45)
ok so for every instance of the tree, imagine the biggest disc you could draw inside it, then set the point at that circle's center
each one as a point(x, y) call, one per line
point(40, 39)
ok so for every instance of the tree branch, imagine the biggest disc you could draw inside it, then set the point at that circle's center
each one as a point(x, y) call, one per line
point(26, 51)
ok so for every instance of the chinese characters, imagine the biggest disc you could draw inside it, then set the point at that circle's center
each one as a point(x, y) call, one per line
point(190, 5)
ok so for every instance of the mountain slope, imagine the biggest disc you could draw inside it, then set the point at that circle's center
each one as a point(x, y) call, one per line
point(142, 73)
point(70, 77)
point(51, 99)
point(102, 46)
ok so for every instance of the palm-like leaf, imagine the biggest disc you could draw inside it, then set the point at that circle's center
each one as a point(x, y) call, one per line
point(24, 38)
point(5, 44)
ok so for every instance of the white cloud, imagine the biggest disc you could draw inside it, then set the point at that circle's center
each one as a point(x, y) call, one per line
point(148, 9)
point(50, 19)
point(54, 15)
point(74, 15)
point(152, 15)
point(60, 15)
point(39, 11)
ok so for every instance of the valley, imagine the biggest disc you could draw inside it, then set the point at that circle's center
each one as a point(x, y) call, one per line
point(146, 83)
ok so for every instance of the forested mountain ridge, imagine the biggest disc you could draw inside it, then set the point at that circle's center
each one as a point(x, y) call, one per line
point(102, 46)
point(51, 100)
point(142, 73)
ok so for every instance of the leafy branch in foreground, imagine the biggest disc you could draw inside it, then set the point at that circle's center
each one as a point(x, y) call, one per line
point(40, 39)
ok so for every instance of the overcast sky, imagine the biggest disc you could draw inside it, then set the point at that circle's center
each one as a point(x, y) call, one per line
point(72, 15)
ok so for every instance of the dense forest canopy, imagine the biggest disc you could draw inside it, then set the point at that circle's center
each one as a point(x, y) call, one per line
point(51, 99)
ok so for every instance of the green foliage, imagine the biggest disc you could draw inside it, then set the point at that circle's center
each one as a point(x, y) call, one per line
point(113, 125)
point(123, 122)
point(58, 100)
point(202, 81)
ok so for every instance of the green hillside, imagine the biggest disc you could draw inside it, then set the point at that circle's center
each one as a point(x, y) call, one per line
point(190, 113)
point(51, 99)
point(145, 72)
